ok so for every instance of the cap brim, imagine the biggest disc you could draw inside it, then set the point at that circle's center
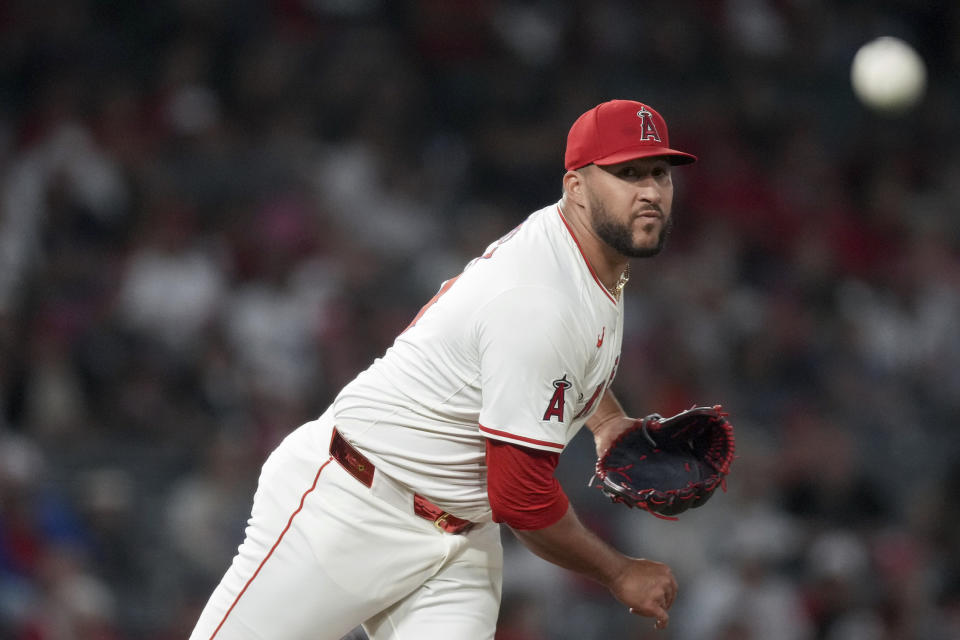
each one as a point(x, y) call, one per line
point(672, 156)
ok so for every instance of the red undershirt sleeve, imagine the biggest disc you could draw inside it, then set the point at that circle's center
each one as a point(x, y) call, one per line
point(523, 491)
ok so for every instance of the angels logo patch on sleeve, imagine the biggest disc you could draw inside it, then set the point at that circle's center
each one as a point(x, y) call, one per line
point(557, 404)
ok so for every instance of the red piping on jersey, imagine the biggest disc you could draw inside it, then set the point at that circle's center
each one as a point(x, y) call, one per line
point(511, 436)
point(589, 266)
point(303, 499)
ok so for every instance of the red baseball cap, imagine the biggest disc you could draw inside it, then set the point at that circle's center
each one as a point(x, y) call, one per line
point(617, 131)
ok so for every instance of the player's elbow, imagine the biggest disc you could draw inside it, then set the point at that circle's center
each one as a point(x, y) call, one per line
point(530, 515)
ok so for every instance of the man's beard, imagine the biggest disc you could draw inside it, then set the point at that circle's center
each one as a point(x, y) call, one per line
point(619, 236)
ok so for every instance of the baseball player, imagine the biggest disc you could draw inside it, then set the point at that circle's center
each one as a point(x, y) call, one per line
point(384, 511)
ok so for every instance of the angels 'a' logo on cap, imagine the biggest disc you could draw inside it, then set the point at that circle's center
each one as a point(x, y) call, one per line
point(648, 131)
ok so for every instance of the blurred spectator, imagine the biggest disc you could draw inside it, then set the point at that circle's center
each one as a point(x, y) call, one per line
point(206, 510)
point(173, 284)
point(73, 605)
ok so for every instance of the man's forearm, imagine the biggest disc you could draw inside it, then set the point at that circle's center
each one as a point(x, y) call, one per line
point(568, 544)
point(646, 587)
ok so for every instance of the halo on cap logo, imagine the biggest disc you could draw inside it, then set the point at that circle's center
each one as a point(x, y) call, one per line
point(647, 129)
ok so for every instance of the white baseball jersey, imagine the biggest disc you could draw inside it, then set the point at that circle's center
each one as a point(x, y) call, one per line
point(520, 347)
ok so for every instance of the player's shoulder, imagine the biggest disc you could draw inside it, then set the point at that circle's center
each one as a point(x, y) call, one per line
point(541, 225)
point(533, 252)
point(534, 261)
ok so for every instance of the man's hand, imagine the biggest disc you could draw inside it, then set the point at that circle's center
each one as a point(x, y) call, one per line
point(606, 433)
point(608, 422)
point(647, 587)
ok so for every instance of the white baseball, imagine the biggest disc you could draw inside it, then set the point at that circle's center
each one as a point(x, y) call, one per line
point(888, 75)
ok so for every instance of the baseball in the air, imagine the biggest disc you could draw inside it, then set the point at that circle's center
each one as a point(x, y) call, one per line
point(888, 75)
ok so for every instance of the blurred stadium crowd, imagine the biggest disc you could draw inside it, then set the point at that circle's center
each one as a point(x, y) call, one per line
point(216, 212)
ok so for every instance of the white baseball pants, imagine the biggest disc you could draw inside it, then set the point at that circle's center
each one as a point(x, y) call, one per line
point(323, 553)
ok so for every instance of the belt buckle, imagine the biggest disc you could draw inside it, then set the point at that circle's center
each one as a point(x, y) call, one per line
point(441, 521)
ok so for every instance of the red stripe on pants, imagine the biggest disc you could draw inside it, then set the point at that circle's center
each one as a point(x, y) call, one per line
point(303, 499)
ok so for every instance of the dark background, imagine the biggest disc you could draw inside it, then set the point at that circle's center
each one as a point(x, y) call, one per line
point(215, 213)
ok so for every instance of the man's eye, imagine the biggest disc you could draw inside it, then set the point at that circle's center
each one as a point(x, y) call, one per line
point(628, 172)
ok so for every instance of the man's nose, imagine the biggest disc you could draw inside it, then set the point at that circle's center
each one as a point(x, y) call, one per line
point(649, 191)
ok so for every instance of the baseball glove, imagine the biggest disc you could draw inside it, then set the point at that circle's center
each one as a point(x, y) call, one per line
point(668, 465)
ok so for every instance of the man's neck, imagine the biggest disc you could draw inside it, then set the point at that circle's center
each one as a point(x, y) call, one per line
point(607, 263)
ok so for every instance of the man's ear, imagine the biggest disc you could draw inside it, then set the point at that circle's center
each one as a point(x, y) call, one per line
point(573, 186)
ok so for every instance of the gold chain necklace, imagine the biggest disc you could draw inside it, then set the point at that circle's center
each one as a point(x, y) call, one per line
point(617, 289)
